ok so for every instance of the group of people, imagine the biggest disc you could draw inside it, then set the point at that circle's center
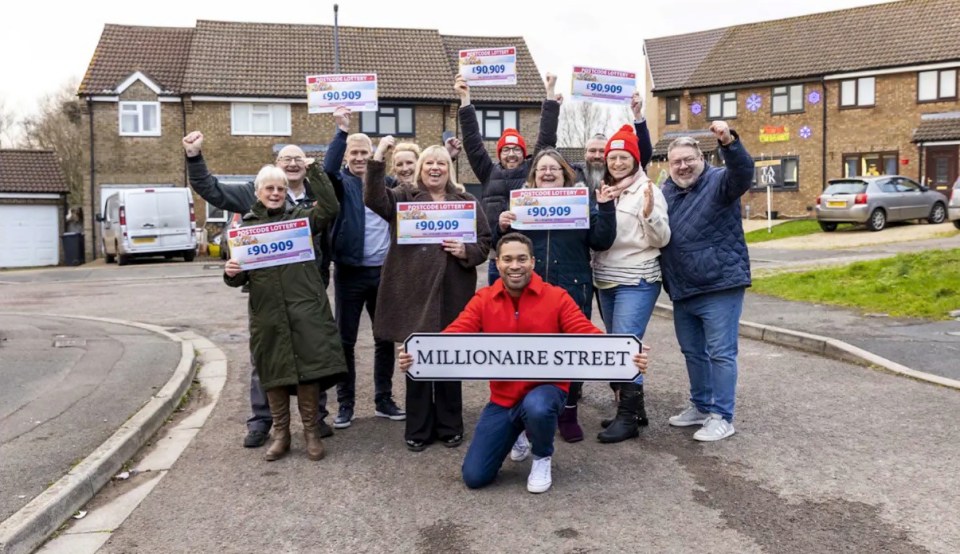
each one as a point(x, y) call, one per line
point(685, 236)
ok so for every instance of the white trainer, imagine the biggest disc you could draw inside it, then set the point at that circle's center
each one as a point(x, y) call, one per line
point(716, 428)
point(539, 479)
point(688, 417)
point(521, 448)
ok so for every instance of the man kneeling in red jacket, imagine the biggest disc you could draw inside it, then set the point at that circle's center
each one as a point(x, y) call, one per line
point(519, 302)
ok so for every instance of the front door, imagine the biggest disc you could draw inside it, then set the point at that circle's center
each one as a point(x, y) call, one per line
point(941, 170)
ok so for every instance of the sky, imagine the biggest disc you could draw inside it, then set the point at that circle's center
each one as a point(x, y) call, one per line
point(40, 53)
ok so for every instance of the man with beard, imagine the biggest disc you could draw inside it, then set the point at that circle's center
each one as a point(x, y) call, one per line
point(706, 270)
point(510, 170)
point(590, 171)
point(361, 239)
point(240, 198)
point(520, 302)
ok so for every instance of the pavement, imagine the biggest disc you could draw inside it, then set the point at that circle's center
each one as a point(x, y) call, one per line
point(829, 456)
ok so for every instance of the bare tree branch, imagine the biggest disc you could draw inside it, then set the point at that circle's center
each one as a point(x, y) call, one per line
point(7, 122)
point(57, 126)
point(581, 120)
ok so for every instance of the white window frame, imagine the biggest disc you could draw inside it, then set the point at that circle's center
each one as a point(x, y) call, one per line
point(229, 181)
point(483, 114)
point(139, 112)
point(722, 101)
point(371, 123)
point(275, 131)
point(857, 92)
point(211, 219)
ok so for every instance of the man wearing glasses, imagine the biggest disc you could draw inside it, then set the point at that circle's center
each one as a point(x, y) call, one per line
point(240, 198)
point(706, 270)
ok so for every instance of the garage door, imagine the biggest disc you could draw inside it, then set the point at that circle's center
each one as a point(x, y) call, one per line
point(28, 236)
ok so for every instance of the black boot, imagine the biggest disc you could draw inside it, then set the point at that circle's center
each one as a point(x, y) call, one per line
point(624, 426)
point(642, 420)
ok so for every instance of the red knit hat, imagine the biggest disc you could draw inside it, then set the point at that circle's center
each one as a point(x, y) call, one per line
point(512, 136)
point(624, 139)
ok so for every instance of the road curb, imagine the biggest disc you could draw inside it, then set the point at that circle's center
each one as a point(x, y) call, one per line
point(825, 346)
point(30, 526)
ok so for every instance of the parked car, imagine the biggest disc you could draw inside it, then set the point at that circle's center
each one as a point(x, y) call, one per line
point(876, 201)
point(156, 221)
point(953, 210)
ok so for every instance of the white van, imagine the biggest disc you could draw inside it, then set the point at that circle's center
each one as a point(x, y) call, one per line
point(153, 221)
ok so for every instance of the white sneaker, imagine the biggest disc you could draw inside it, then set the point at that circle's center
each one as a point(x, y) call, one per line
point(688, 417)
point(539, 479)
point(521, 448)
point(716, 428)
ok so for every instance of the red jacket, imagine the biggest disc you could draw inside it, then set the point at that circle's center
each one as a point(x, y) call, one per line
point(543, 308)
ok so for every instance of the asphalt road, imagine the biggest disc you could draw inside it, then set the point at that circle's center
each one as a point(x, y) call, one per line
point(66, 385)
point(828, 457)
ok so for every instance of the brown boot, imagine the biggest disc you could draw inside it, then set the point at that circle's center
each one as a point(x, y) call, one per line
point(279, 401)
point(308, 396)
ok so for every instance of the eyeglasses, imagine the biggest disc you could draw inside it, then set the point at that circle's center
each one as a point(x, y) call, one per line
point(512, 149)
point(274, 188)
point(550, 169)
point(689, 160)
point(287, 160)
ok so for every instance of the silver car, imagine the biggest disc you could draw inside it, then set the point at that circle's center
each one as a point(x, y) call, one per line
point(953, 209)
point(877, 200)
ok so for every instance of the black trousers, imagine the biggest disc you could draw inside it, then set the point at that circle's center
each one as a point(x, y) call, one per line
point(434, 410)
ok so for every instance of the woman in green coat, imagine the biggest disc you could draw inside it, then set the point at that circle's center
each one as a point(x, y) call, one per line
point(293, 336)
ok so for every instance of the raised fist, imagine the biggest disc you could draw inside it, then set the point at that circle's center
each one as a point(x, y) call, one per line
point(192, 143)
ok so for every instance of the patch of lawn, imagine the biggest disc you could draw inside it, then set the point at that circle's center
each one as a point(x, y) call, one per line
point(925, 284)
point(788, 229)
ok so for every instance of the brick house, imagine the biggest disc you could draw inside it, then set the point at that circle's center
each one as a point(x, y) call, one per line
point(32, 201)
point(242, 85)
point(823, 96)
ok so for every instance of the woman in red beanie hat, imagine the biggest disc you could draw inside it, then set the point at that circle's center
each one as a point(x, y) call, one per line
point(628, 273)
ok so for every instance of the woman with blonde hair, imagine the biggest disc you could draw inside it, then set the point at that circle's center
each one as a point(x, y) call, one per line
point(293, 337)
point(424, 286)
point(403, 165)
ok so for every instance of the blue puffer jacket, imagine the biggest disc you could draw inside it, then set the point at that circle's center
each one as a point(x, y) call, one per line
point(563, 256)
point(707, 252)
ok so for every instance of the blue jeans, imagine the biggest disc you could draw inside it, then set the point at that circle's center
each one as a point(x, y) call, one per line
point(707, 327)
point(626, 309)
point(498, 428)
point(492, 272)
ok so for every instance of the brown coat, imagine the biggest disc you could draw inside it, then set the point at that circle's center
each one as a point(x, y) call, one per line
point(422, 287)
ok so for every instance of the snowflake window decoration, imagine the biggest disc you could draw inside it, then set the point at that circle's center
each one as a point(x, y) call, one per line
point(806, 132)
point(696, 108)
point(813, 97)
point(754, 101)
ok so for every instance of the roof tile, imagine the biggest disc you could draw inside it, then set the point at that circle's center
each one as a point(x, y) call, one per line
point(934, 127)
point(31, 171)
point(160, 53)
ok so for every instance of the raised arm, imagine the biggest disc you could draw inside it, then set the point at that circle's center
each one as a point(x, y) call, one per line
point(233, 198)
point(333, 160)
point(739, 168)
point(477, 155)
point(643, 132)
point(549, 116)
point(326, 208)
point(376, 195)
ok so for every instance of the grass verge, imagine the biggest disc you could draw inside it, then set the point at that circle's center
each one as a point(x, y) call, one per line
point(796, 228)
point(925, 284)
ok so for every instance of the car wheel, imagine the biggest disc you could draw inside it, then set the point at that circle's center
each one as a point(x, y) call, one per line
point(189, 255)
point(938, 214)
point(877, 221)
point(828, 227)
point(956, 223)
point(122, 259)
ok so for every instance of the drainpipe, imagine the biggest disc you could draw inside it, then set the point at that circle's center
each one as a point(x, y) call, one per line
point(823, 153)
point(183, 119)
point(921, 171)
point(93, 175)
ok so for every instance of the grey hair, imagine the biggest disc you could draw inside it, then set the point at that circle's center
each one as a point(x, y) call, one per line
point(599, 136)
point(685, 141)
point(270, 173)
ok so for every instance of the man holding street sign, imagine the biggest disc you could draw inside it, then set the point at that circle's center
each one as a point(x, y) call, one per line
point(519, 302)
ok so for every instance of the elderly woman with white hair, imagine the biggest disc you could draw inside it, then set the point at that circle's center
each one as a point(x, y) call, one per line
point(293, 337)
point(424, 287)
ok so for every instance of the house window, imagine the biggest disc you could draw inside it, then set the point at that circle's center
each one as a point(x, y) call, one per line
point(493, 122)
point(871, 164)
point(787, 99)
point(778, 174)
point(936, 85)
point(260, 119)
point(722, 105)
point(858, 92)
point(390, 120)
point(673, 109)
point(140, 119)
